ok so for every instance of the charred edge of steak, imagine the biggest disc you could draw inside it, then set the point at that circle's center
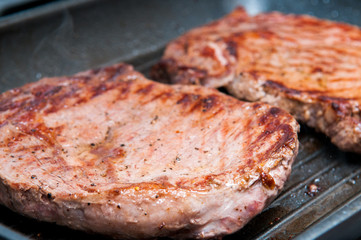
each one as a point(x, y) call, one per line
point(337, 118)
point(167, 71)
point(160, 71)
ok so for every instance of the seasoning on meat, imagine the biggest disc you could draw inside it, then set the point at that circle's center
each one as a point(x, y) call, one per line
point(91, 160)
point(307, 66)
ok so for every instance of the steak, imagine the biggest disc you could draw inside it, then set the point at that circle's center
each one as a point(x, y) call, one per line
point(110, 152)
point(307, 66)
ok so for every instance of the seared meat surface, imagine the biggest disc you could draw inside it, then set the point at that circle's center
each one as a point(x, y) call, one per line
point(308, 66)
point(111, 152)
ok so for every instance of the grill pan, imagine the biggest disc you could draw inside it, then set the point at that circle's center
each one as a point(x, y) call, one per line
point(65, 37)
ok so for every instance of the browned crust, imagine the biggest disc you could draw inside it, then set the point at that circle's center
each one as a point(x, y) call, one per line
point(311, 65)
point(49, 98)
point(338, 118)
point(26, 108)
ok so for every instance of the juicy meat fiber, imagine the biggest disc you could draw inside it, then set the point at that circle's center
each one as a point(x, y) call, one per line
point(111, 152)
point(309, 67)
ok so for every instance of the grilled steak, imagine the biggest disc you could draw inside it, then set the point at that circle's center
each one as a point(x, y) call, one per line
point(111, 152)
point(309, 67)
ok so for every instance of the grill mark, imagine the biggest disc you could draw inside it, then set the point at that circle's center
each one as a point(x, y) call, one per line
point(158, 96)
point(281, 87)
point(272, 113)
point(186, 99)
point(196, 106)
point(204, 104)
point(8, 104)
point(107, 85)
point(146, 89)
point(267, 26)
point(318, 94)
point(344, 79)
point(271, 122)
point(56, 103)
point(124, 90)
point(46, 91)
point(52, 98)
point(117, 72)
point(209, 102)
point(286, 136)
point(100, 89)
point(247, 124)
point(162, 96)
point(214, 113)
point(232, 47)
point(45, 135)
